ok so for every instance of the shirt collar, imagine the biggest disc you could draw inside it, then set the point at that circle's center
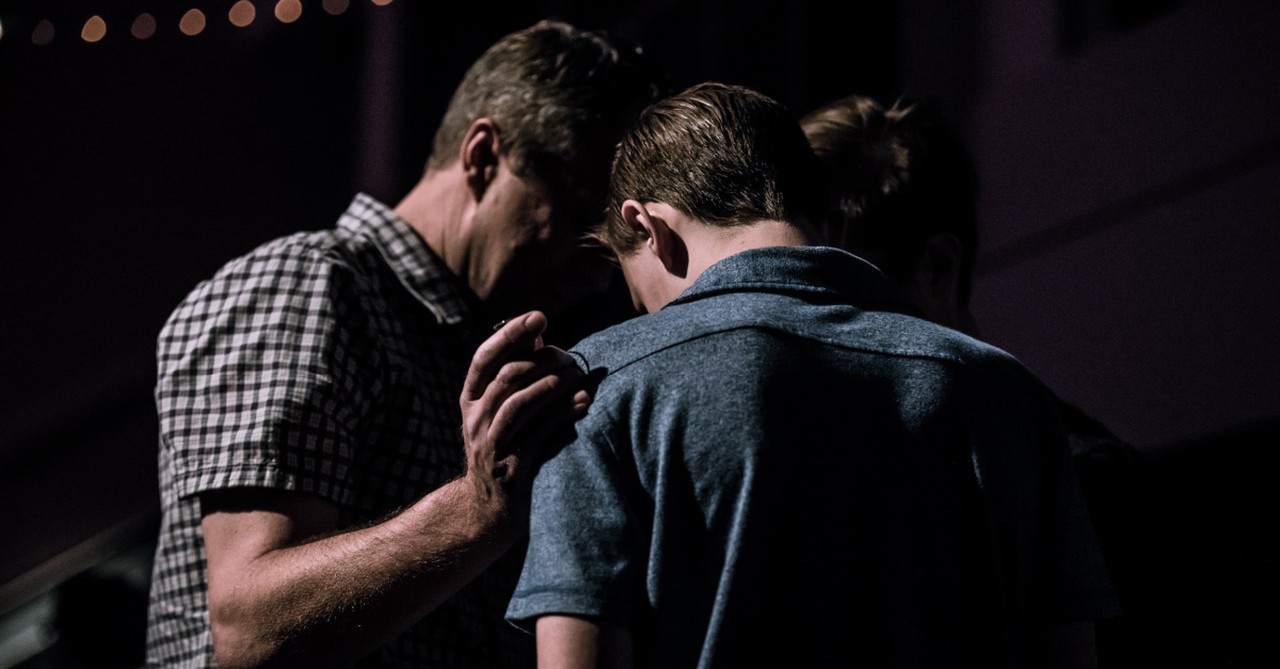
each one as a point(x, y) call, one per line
point(811, 270)
point(417, 267)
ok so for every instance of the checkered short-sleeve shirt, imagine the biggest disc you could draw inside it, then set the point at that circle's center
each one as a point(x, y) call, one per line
point(327, 363)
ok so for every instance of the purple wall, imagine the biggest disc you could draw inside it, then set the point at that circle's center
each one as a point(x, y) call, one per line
point(1131, 217)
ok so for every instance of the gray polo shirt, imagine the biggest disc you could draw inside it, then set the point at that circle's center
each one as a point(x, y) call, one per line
point(774, 469)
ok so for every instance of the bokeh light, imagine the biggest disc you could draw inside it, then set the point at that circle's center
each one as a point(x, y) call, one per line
point(144, 26)
point(288, 11)
point(335, 7)
point(1, 29)
point(192, 22)
point(42, 34)
point(242, 13)
point(94, 29)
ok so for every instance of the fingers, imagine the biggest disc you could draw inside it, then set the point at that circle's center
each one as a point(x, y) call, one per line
point(518, 337)
point(517, 394)
point(543, 432)
point(519, 390)
point(538, 430)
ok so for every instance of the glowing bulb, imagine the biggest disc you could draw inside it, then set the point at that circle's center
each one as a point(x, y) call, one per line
point(192, 22)
point(381, 3)
point(42, 34)
point(144, 26)
point(94, 29)
point(242, 13)
point(335, 7)
point(288, 11)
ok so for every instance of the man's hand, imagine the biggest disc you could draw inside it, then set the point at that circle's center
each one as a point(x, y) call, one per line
point(283, 584)
point(517, 393)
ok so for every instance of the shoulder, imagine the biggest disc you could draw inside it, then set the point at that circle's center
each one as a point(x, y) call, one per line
point(298, 263)
point(875, 332)
point(622, 345)
point(283, 258)
point(300, 282)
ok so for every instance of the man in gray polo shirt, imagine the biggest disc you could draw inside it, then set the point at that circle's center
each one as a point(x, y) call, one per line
point(776, 467)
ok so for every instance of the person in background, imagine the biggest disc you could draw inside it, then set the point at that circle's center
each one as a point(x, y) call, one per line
point(338, 486)
point(775, 469)
point(904, 195)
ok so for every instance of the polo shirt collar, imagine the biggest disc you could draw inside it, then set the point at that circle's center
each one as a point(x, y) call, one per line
point(811, 270)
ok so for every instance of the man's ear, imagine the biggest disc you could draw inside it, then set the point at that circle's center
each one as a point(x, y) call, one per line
point(934, 288)
point(940, 267)
point(479, 155)
point(656, 235)
point(636, 217)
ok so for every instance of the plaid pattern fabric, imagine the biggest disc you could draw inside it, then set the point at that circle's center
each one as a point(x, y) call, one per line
point(327, 363)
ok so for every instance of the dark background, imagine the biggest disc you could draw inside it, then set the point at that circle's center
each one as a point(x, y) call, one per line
point(1129, 153)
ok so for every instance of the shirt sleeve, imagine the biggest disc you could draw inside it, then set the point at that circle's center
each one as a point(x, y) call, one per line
point(587, 536)
point(263, 377)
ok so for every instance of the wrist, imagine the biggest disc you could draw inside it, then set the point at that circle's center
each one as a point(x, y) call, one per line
point(488, 504)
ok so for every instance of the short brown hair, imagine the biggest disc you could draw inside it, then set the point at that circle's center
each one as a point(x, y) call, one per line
point(725, 155)
point(560, 98)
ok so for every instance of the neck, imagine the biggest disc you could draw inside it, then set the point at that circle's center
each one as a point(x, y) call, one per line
point(706, 245)
point(436, 211)
point(713, 244)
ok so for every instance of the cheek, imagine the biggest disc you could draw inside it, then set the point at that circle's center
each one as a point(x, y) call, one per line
point(529, 215)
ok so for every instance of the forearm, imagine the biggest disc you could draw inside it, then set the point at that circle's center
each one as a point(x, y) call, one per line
point(568, 642)
point(333, 599)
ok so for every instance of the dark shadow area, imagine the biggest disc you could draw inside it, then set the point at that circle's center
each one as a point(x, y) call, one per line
point(1196, 566)
point(97, 619)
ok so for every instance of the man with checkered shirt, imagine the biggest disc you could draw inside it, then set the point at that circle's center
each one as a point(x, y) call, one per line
point(321, 506)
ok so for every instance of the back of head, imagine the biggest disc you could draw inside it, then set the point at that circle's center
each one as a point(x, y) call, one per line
point(560, 97)
point(899, 175)
point(726, 155)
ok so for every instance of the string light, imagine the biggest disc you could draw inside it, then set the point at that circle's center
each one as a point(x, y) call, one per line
point(94, 29)
point(192, 23)
point(242, 14)
point(288, 11)
point(42, 34)
point(144, 26)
